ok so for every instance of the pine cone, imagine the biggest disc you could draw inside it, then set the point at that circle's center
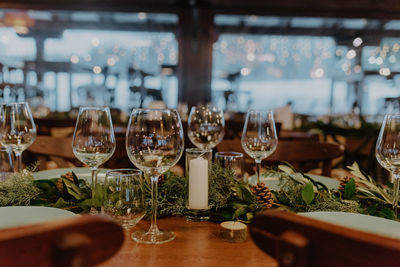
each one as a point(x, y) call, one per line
point(343, 182)
point(68, 176)
point(60, 186)
point(263, 195)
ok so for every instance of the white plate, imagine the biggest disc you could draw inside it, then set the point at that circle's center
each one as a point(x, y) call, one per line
point(273, 182)
point(371, 224)
point(81, 173)
point(23, 215)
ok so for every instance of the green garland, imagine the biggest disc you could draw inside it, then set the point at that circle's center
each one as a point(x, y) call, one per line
point(300, 193)
point(18, 189)
point(229, 199)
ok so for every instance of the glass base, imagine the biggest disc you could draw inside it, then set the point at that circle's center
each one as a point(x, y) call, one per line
point(93, 211)
point(198, 215)
point(158, 237)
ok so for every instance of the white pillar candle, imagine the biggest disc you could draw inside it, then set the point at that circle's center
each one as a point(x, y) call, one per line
point(198, 184)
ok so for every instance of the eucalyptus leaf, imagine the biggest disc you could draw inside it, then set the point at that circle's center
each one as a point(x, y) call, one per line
point(47, 187)
point(243, 193)
point(349, 189)
point(61, 203)
point(372, 209)
point(73, 189)
point(238, 205)
point(76, 180)
point(249, 216)
point(307, 193)
point(240, 211)
point(387, 213)
point(286, 169)
point(86, 205)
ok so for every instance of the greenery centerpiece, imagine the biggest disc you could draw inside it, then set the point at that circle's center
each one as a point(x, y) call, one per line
point(229, 198)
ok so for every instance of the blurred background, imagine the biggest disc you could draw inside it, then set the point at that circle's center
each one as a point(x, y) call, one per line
point(326, 68)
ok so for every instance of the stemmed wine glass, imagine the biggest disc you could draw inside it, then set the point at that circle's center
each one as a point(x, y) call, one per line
point(259, 138)
point(387, 152)
point(93, 142)
point(206, 126)
point(154, 142)
point(17, 129)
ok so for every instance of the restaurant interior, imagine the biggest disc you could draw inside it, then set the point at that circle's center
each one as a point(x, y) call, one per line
point(253, 133)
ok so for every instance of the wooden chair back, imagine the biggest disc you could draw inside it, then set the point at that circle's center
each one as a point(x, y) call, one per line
point(59, 150)
point(56, 149)
point(79, 241)
point(52, 126)
point(297, 153)
point(295, 240)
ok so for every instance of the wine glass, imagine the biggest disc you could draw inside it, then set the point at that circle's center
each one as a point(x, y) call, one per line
point(6, 163)
point(124, 197)
point(17, 129)
point(259, 138)
point(206, 126)
point(154, 142)
point(93, 142)
point(388, 152)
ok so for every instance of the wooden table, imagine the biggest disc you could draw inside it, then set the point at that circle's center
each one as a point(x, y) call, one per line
point(196, 244)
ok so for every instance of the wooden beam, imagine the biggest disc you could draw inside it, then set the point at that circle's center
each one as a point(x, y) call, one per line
point(195, 38)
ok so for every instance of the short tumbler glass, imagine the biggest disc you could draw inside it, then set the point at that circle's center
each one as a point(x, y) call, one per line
point(232, 160)
point(124, 197)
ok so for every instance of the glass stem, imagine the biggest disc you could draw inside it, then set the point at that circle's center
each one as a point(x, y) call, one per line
point(154, 191)
point(93, 209)
point(396, 177)
point(258, 169)
point(18, 156)
point(11, 159)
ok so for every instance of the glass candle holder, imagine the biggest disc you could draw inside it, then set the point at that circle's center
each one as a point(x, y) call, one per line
point(232, 160)
point(198, 164)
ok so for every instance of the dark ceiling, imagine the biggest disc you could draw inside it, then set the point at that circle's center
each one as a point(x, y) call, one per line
point(383, 9)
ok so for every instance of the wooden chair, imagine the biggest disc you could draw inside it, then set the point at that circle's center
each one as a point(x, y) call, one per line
point(80, 241)
point(59, 151)
point(294, 240)
point(55, 149)
point(298, 153)
point(55, 127)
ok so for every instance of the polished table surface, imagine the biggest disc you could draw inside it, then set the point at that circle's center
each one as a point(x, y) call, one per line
point(196, 244)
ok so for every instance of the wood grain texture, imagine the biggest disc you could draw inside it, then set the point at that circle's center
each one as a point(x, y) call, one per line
point(299, 241)
point(196, 244)
point(79, 241)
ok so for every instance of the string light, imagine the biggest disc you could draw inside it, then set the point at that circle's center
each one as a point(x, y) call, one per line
point(379, 61)
point(245, 71)
point(95, 42)
point(384, 71)
point(142, 15)
point(357, 42)
point(371, 60)
point(97, 69)
point(351, 54)
point(74, 59)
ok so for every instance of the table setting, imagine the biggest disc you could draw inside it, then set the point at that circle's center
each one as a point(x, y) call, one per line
point(211, 205)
